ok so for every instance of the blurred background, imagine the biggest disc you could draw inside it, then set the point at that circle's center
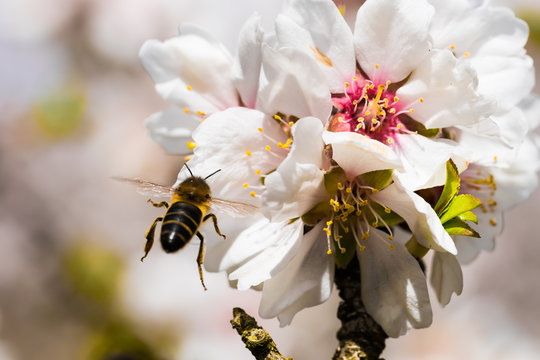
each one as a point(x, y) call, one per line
point(73, 97)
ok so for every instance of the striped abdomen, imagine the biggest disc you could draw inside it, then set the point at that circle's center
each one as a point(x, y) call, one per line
point(179, 225)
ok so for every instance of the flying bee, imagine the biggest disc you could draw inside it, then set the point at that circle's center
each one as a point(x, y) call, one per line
point(189, 208)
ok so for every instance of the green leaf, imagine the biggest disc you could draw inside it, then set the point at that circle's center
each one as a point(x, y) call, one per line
point(417, 126)
point(378, 179)
point(451, 187)
point(459, 227)
point(332, 178)
point(390, 218)
point(468, 216)
point(348, 243)
point(459, 205)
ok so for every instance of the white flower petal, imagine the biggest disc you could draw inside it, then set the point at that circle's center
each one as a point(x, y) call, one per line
point(394, 35)
point(507, 80)
point(275, 244)
point(293, 84)
point(297, 184)
point(448, 88)
point(476, 28)
point(424, 160)
point(230, 140)
point(531, 107)
point(446, 276)
point(306, 281)
point(394, 288)
point(418, 214)
point(247, 66)
point(318, 28)
point(358, 154)
point(172, 129)
point(190, 71)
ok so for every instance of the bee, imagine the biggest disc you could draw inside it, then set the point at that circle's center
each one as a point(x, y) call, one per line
point(188, 209)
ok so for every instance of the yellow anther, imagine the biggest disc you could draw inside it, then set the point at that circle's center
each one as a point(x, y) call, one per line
point(277, 117)
point(348, 190)
point(361, 248)
point(285, 146)
point(358, 212)
point(365, 235)
point(245, 185)
point(291, 123)
point(355, 78)
point(258, 172)
point(466, 54)
point(343, 250)
point(411, 111)
point(399, 126)
point(493, 222)
point(191, 145)
point(387, 210)
point(347, 84)
point(392, 111)
point(329, 252)
point(187, 158)
point(375, 223)
point(248, 153)
point(367, 113)
point(375, 191)
point(186, 110)
point(252, 194)
point(396, 99)
point(189, 88)
point(279, 144)
point(451, 84)
point(341, 9)
point(377, 66)
point(452, 47)
point(421, 99)
point(329, 222)
point(390, 237)
point(267, 148)
point(327, 231)
point(495, 158)
point(340, 186)
point(260, 129)
point(340, 119)
point(391, 246)
point(289, 141)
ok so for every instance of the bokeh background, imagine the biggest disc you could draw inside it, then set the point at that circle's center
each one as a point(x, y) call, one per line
point(73, 97)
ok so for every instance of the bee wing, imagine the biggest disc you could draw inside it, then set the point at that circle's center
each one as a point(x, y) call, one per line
point(148, 188)
point(234, 208)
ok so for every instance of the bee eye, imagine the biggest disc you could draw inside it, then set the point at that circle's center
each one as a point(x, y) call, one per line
point(208, 196)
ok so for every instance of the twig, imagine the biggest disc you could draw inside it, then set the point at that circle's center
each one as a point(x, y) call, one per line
point(257, 340)
point(360, 337)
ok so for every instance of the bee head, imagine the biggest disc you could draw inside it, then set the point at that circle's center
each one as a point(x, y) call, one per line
point(194, 189)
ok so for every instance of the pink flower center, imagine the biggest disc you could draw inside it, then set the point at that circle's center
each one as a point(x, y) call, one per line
point(369, 109)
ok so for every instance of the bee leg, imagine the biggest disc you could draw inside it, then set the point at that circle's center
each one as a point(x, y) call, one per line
point(161, 204)
point(150, 237)
point(200, 258)
point(214, 219)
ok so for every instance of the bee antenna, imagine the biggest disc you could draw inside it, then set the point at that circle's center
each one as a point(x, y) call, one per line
point(187, 167)
point(218, 170)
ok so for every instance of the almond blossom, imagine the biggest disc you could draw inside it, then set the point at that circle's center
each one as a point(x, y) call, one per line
point(338, 136)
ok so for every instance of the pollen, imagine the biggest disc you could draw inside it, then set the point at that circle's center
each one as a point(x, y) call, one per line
point(248, 153)
point(191, 145)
